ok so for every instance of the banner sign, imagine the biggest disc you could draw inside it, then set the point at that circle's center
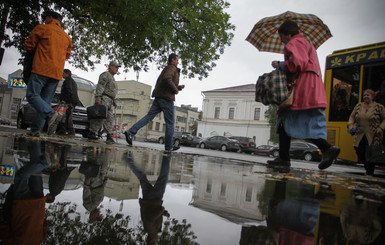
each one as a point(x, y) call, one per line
point(16, 82)
point(355, 58)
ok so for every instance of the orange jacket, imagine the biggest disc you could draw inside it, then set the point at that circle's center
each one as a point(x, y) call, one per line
point(28, 224)
point(51, 46)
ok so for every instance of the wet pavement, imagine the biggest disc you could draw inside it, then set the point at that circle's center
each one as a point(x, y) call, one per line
point(115, 194)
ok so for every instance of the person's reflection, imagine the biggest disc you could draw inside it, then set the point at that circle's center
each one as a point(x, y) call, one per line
point(151, 209)
point(25, 201)
point(295, 217)
point(58, 175)
point(95, 171)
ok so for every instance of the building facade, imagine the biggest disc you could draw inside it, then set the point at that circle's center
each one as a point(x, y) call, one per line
point(133, 102)
point(233, 111)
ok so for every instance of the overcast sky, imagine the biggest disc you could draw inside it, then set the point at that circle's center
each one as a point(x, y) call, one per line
point(351, 22)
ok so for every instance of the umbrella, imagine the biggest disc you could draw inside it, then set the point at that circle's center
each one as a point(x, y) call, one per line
point(264, 35)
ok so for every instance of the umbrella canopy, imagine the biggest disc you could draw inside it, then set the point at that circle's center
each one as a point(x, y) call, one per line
point(264, 35)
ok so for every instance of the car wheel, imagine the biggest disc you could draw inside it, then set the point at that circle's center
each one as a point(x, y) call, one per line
point(20, 123)
point(161, 140)
point(202, 146)
point(177, 143)
point(308, 156)
point(275, 153)
point(223, 148)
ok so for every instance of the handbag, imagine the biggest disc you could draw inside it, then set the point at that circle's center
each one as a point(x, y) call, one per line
point(97, 112)
point(375, 153)
point(288, 102)
point(271, 88)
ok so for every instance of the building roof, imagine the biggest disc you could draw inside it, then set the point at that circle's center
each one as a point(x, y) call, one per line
point(241, 88)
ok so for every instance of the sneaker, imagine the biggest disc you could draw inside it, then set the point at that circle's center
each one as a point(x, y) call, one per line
point(110, 139)
point(53, 122)
point(128, 137)
point(278, 162)
point(33, 133)
point(92, 136)
point(174, 148)
point(329, 157)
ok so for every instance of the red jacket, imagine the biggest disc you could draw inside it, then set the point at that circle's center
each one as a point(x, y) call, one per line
point(51, 46)
point(301, 58)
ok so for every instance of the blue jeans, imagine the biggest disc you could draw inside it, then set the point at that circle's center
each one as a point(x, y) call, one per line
point(40, 91)
point(149, 191)
point(158, 106)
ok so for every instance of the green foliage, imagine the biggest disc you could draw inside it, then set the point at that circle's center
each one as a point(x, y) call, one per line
point(65, 226)
point(271, 114)
point(134, 32)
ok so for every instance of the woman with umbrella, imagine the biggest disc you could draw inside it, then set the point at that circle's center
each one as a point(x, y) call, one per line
point(305, 118)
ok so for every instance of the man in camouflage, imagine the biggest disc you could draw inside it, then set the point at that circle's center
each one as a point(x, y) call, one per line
point(105, 94)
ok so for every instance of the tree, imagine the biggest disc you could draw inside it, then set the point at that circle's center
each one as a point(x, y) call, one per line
point(67, 226)
point(271, 114)
point(134, 32)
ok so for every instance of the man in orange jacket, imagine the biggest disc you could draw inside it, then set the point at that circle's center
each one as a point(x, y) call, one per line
point(51, 46)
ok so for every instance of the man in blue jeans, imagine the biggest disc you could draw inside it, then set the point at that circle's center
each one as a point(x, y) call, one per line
point(50, 46)
point(167, 86)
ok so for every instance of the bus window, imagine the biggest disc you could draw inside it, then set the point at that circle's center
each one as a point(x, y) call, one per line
point(344, 94)
point(373, 77)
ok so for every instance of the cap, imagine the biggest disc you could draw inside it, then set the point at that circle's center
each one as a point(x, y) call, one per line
point(114, 63)
point(53, 14)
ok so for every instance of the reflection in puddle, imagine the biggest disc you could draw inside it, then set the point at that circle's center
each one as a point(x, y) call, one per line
point(113, 194)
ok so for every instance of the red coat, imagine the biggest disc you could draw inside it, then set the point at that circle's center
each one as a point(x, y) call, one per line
point(309, 91)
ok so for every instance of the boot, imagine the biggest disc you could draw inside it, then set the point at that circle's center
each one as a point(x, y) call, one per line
point(92, 136)
point(110, 139)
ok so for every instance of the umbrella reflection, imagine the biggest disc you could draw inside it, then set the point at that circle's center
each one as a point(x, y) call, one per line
point(151, 209)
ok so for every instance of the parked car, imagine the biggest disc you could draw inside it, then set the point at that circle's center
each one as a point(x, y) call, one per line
point(220, 143)
point(247, 144)
point(263, 150)
point(79, 116)
point(300, 150)
point(5, 121)
point(188, 140)
point(177, 137)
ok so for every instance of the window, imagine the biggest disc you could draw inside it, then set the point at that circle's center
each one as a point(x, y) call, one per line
point(231, 113)
point(181, 119)
point(150, 125)
point(249, 193)
point(182, 129)
point(257, 113)
point(164, 127)
point(344, 92)
point(223, 189)
point(157, 126)
point(217, 111)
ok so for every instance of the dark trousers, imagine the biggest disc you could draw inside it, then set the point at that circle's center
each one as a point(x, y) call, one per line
point(361, 154)
point(67, 124)
point(285, 140)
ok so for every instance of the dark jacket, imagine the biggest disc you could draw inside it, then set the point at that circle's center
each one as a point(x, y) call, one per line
point(69, 92)
point(167, 85)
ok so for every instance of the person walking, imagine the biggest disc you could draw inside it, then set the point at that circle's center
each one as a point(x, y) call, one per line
point(69, 97)
point(105, 94)
point(305, 118)
point(367, 123)
point(166, 87)
point(51, 46)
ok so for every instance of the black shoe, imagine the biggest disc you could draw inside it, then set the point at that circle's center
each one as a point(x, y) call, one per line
point(329, 157)
point(110, 139)
point(174, 148)
point(92, 136)
point(128, 137)
point(278, 162)
point(33, 133)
